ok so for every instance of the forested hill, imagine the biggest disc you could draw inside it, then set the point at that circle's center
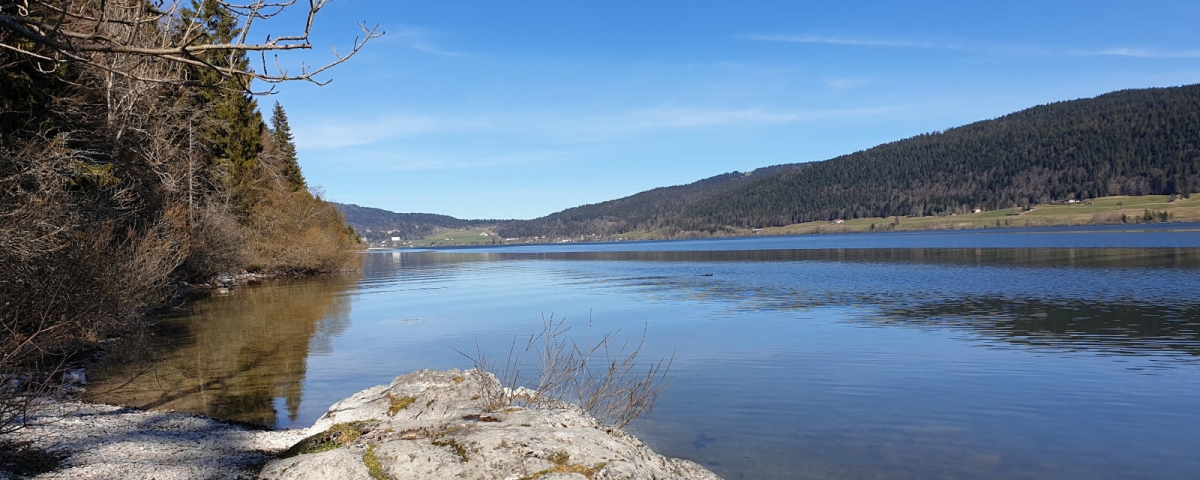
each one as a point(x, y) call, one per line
point(1131, 142)
point(652, 210)
point(375, 224)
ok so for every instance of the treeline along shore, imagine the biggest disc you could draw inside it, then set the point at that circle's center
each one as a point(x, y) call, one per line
point(127, 173)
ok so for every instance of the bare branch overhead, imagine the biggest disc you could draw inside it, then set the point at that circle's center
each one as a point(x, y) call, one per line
point(120, 36)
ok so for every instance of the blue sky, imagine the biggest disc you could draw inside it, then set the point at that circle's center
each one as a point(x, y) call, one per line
point(520, 109)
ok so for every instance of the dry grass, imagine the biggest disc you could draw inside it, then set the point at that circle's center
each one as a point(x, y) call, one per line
point(374, 468)
point(459, 450)
point(337, 436)
point(398, 403)
point(601, 376)
point(562, 464)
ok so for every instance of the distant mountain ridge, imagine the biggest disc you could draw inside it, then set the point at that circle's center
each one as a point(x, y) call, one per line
point(1131, 142)
point(646, 211)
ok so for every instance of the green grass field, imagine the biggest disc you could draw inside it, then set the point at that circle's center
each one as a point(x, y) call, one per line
point(457, 237)
point(1099, 211)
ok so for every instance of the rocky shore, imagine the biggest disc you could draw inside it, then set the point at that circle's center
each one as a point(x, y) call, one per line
point(426, 424)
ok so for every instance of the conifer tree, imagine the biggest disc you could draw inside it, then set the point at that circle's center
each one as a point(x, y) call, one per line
point(234, 127)
point(281, 137)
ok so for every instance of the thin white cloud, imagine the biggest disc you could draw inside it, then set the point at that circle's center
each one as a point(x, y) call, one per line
point(348, 133)
point(422, 40)
point(344, 133)
point(1147, 53)
point(846, 83)
point(858, 42)
point(694, 118)
point(659, 118)
point(1039, 51)
point(391, 160)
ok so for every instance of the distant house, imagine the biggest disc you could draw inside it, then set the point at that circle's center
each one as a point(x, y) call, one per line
point(977, 210)
point(1072, 201)
point(838, 221)
point(483, 234)
point(395, 239)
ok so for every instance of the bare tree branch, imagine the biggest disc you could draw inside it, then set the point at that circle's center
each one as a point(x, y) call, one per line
point(67, 31)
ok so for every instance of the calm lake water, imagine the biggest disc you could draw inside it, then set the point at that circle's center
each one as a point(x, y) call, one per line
point(1031, 353)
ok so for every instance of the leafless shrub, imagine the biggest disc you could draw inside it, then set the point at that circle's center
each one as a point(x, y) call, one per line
point(216, 243)
point(601, 376)
point(294, 231)
point(70, 273)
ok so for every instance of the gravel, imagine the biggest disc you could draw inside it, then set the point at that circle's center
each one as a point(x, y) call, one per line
point(108, 442)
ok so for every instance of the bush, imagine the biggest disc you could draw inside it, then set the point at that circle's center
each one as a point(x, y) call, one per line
point(296, 232)
point(217, 244)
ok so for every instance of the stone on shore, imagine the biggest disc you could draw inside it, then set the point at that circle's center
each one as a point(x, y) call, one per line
point(431, 424)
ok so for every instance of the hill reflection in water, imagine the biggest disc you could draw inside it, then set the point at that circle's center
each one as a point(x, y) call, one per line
point(988, 292)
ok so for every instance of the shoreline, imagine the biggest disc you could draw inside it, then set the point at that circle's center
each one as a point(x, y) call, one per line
point(1104, 211)
point(440, 431)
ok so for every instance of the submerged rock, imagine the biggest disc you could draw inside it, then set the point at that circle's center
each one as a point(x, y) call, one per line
point(74, 377)
point(432, 424)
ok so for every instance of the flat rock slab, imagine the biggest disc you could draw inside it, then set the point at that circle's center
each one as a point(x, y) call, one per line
point(442, 431)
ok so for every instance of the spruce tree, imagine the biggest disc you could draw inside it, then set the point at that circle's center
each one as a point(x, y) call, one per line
point(233, 127)
point(281, 136)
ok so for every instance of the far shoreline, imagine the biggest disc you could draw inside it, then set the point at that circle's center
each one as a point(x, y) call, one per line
point(1180, 226)
point(1101, 212)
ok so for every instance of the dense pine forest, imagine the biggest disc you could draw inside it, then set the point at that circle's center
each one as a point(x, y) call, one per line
point(126, 171)
point(1133, 142)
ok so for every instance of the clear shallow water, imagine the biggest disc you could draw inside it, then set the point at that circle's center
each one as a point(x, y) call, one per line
point(833, 356)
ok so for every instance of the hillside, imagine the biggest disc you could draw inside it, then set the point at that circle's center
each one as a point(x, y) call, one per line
point(1131, 142)
point(648, 211)
point(377, 226)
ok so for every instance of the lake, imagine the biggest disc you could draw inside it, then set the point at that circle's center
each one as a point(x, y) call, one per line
point(1027, 353)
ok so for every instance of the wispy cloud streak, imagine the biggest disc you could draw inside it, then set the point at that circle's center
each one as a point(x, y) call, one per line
point(343, 133)
point(857, 42)
point(1144, 53)
point(371, 159)
point(1035, 51)
point(340, 134)
point(846, 83)
point(422, 40)
point(658, 118)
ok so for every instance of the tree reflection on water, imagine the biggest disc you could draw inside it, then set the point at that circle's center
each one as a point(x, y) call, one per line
point(233, 356)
